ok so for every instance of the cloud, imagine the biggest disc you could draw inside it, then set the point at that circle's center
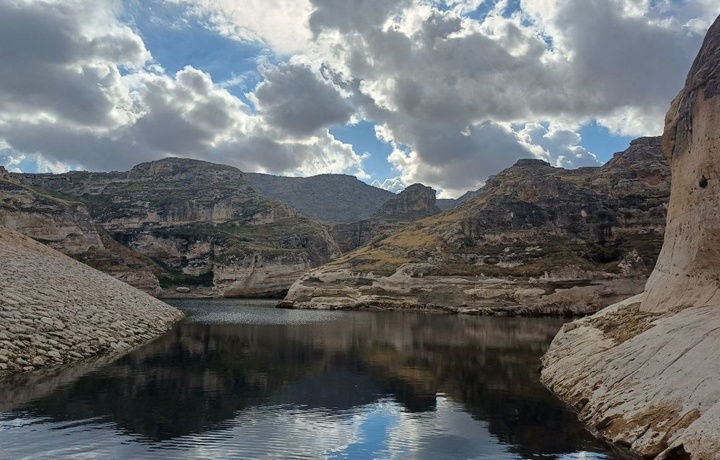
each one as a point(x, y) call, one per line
point(459, 88)
point(279, 24)
point(79, 89)
point(557, 145)
point(58, 68)
point(460, 161)
point(352, 16)
point(296, 100)
point(445, 89)
point(394, 184)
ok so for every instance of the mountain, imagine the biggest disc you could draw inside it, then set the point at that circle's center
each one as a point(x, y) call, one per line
point(194, 225)
point(446, 203)
point(413, 203)
point(643, 373)
point(327, 197)
point(536, 239)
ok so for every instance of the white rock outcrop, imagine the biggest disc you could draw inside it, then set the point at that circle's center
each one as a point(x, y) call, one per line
point(644, 373)
point(56, 310)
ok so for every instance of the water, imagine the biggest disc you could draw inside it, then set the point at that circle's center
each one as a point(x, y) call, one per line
point(240, 379)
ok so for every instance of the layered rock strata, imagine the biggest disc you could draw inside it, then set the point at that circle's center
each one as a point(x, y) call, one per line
point(190, 227)
point(643, 373)
point(64, 225)
point(535, 240)
point(56, 310)
point(413, 203)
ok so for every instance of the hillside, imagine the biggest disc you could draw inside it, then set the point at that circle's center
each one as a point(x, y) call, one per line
point(327, 197)
point(195, 225)
point(537, 239)
point(413, 203)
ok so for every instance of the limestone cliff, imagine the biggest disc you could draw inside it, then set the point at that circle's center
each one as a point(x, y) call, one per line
point(65, 225)
point(413, 203)
point(56, 310)
point(535, 239)
point(196, 226)
point(643, 373)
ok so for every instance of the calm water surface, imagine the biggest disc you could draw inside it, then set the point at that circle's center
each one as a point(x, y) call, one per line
point(241, 379)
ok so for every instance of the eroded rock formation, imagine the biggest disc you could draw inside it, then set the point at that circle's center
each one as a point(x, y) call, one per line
point(643, 373)
point(413, 203)
point(187, 224)
point(535, 240)
point(61, 224)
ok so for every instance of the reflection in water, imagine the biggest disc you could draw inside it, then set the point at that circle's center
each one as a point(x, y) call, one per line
point(242, 379)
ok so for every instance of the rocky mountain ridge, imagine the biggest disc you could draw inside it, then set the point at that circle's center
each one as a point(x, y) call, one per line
point(413, 203)
point(194, 225)
point(203, 228)
point(335, 198)
point(643, 372)
point(537, 239)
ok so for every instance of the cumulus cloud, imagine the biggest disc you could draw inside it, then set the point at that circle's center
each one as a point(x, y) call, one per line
point(459, 88)
point(446, 88)
point(279, 24)
point(296, 100)
point(79, 88)
point(457, 162)
point(352, 16)
point(393, 184)
point(557, 145)
point(56, 67)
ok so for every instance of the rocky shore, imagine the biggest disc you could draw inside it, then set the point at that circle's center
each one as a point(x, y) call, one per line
point(55, 310)
point(536, 240)
point(644, 373)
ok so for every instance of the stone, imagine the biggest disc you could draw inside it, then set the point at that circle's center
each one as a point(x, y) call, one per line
point(643, 372)
point(54, 354)
point(535, 240)
point(86, 304)
point(204, 222)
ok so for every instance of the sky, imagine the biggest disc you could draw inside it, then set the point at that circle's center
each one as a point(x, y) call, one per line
point(442, 92)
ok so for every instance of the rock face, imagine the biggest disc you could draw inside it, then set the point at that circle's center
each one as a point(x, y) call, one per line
point(56, 310)
point(195, 224)
point(61, 224)
point(644, 372)
point(328, 197)
point(536, 239)
point(413, 203)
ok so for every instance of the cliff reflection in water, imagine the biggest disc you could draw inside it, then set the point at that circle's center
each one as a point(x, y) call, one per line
point(211, 369)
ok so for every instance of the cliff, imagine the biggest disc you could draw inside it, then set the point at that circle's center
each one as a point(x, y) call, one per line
point(327, 197)
point(413, 203)
point(535, 239)
point(195, 226)
point(62, 224)
point(643, 373)
point(56, 310)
